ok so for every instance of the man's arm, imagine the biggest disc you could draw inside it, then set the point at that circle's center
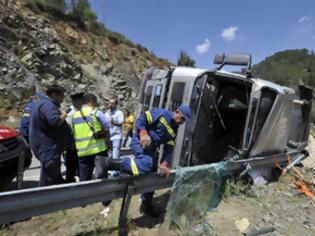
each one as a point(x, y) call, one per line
point(118, 120)
point(143, 121)
point(167, 153)
point(62, 117)
point(53, 115)
point(103, 119)
point(167, 159)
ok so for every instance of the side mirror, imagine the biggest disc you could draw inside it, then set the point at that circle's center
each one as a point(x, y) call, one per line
point(237, 59)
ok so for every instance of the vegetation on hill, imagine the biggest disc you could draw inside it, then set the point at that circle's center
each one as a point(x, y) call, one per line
point(185, 60)
point(289, 68)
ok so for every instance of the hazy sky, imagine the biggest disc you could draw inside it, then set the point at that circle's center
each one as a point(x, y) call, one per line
point(204, 27)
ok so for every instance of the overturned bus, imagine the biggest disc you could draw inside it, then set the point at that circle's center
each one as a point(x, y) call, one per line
point(246, 121)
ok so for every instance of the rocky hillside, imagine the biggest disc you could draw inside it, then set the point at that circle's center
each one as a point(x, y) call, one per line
point(38, 50)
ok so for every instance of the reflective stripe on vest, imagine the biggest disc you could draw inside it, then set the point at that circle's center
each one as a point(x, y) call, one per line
point(26, 115)
point(149, 117)
point(171, 143)
point(85, 143)
point(166, 125)
point(134, 167)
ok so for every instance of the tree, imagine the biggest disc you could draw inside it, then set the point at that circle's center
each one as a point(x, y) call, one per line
point(185, 60)
point(82, 8)
point(57, 4)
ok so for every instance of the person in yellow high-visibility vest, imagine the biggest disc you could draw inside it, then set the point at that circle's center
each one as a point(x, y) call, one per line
point(90, 131)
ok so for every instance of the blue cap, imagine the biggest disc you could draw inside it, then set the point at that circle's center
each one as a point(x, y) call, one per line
point(186, 112)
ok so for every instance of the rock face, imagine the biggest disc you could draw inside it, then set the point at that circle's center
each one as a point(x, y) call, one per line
point(36, 51)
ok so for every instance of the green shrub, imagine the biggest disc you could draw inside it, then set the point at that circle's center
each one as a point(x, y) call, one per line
point(141, 48)
point(97, 28)
point(118, 38)
point(236, 187)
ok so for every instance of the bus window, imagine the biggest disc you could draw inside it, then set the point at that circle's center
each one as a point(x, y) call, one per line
point(177, 95)
point(147, 97)
point(157, 95)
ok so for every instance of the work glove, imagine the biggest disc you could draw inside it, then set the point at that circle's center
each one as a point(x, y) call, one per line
point(145, 140)
point(164, 170)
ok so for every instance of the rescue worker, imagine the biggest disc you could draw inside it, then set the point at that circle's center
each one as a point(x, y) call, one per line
point(71, 158)
point(90, 129)
point(26, 116)
point(128, 125)
point(49, 134)
point(153, 128)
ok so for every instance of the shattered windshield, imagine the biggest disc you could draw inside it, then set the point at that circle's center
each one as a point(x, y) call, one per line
point(202, 184)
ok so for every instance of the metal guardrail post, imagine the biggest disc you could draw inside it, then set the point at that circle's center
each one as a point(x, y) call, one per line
point(20, 170)
point(123, 225)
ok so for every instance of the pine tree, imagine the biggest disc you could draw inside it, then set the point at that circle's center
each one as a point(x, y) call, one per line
point(185, 60)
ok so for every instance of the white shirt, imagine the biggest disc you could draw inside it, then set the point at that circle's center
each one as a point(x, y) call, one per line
point(118, 117)
point(72, 111)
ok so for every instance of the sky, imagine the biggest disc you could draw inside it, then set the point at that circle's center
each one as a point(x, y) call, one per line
point(203, 28)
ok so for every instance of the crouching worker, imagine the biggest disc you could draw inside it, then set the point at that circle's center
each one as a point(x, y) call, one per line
point(89, 127)
point(153, 128)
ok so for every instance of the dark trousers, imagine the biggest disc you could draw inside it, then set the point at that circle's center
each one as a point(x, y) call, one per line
point(50, 172)
point(128, 134)
point(145, 161)
point(72, 165)
point(27, 139)
point(87, 164)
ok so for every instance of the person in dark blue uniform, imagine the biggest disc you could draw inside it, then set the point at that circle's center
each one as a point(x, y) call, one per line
point(153, 128)
point(26, 116)
point(49, 134)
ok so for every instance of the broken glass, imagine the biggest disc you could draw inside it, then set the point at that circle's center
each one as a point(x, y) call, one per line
point(196, 191)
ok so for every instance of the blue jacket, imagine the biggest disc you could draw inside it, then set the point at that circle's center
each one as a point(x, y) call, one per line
point(47, 139)
point(160, 133)
point(25, 119)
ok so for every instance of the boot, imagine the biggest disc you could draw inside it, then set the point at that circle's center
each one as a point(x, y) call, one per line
point(151, 209)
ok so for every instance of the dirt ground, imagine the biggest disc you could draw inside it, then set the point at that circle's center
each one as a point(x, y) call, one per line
point(278, 207)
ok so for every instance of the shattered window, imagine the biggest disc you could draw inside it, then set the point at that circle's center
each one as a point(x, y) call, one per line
point(196, 191)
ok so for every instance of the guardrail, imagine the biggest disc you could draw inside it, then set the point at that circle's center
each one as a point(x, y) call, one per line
point(23, 204)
